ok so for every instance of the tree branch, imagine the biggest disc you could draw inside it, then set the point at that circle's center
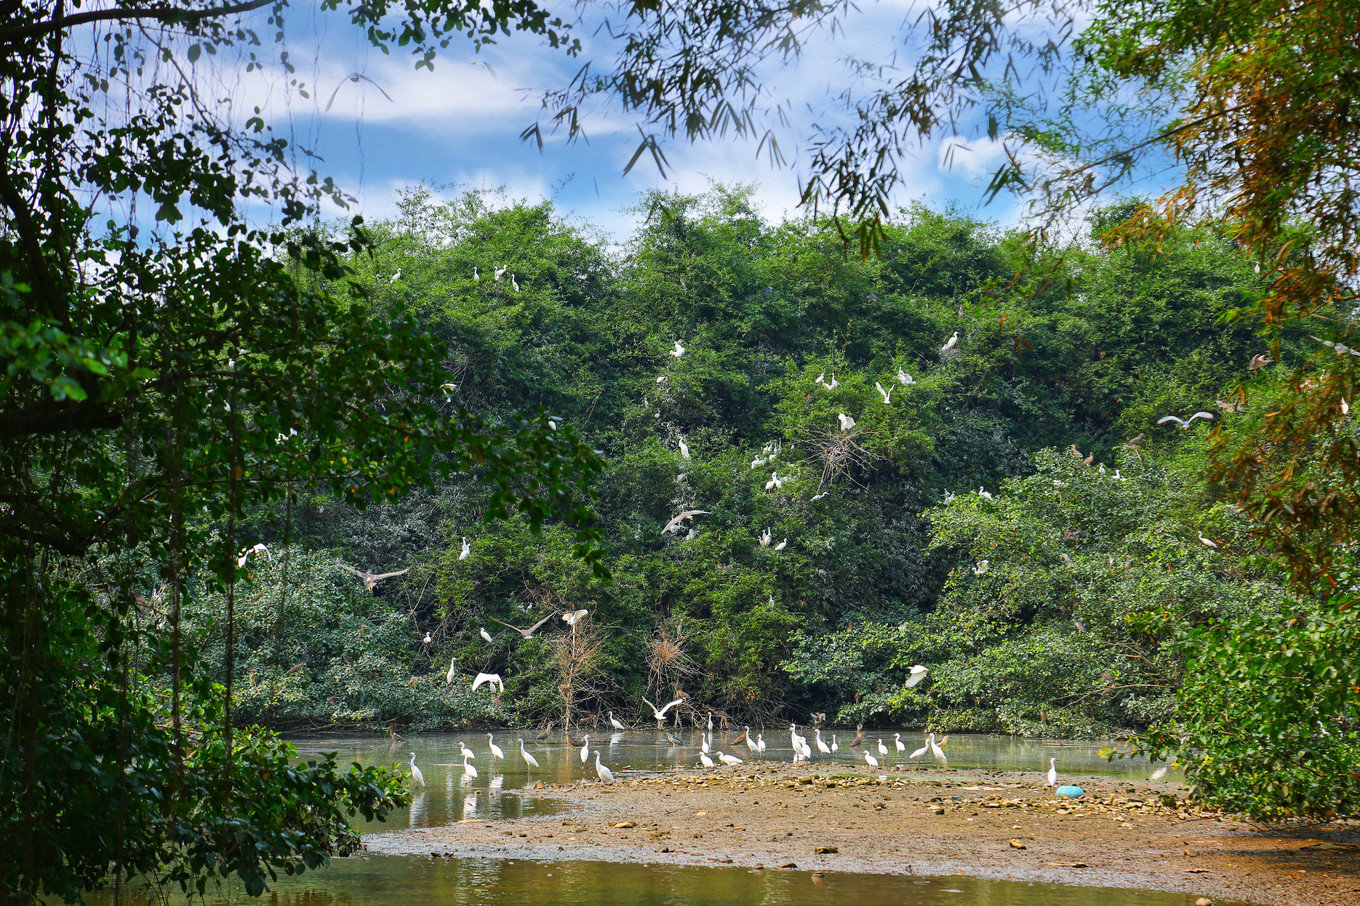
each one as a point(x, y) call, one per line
point(10, 36)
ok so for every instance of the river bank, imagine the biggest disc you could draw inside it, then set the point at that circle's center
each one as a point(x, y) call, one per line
point(990, 824)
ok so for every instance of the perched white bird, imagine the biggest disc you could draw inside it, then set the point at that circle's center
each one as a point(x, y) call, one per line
point(775, 481)
point(571, 618)
point(821, 746)
point(924, 749)
point(485, 635)
point(661, 379)
point(705, 760)
point(948, 496)
point(1211, 545)
point(468, 770)
point(781, 545)
point(660, 715)
point(886, 394)
point(834, 383)
point(605, 775)
point(492, 679)
point(427, 640)
point(466, 551)
point(757, 463)
point(448, 677)
point(615, 722)
point(530, 760)
point(476, 274)
point(982, 492)
point(678, 350)
point(1185, 422)
point(898, 743)
point(415, 771)
point(950, 343)
point(500, 272)
point(396, 276)
point(1052, 772)
point(684, 448)
point(730, 760)
point(918, 673)
point(846, 421)
point(981, 567)
point(821, 379)
point(514, 282)
point(496, 751)
point(765, 538)
point(904, 378)
point(820, 496)
point(870, 760)
point(257, 549)
point(585, 749)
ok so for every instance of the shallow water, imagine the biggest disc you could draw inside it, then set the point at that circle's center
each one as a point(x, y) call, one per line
point(374, 880)
point(503, 787)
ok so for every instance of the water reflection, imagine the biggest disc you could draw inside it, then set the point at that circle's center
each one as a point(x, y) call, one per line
point(503, 787)
point(374, 880)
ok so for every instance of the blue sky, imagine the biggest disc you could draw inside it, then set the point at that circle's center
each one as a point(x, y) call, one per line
point(459, 125)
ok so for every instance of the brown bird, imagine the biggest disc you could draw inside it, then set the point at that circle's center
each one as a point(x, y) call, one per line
point(546, 731)
point(571, 742)
point(1072, 534)
point(858, 739)
point(739, 740)
point(372, 579)
point(1258, 362)
point(527, 633)
point(1137, 441)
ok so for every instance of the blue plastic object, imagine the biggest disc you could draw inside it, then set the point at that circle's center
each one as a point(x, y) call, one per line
point(1070, 792)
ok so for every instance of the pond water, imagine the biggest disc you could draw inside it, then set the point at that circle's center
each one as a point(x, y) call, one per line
point(505, 790)
point(373, 880)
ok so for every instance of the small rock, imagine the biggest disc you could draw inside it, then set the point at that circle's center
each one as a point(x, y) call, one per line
point(826, 850)
point(626, 824)
point(1016, 844)
point(937, 809)
point(789, 865)
point(1204, 901)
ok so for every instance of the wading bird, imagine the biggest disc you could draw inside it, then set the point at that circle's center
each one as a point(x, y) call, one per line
point(415, 771)
point(781, 545)
point(605, 775)
point(491, 679)
point(257, 549)
point(1211, 545)
point(660, 715)
point(705, 760)
point(924, 749)
point(573, 617)
point(585, 749)
point(371, 580)
point(496, 751)
point(898, 743)
point(904, 378)
point(527, 633)
point(821, 746)
point(468, 770)
point(615, 722)
point(870, 760)
point(448, 677)
point(730, 760)
point(1052, 772)
point(937, 750)
point(355, 77)
point(530, 760)
point(886, 394)
point(684, 447)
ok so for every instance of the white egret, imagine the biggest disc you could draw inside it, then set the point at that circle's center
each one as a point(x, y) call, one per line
point(571, 618)
point(948, 496)
point(1339, 348)
point(820, 496)
point(427, 640)
point(466, 551)
point(448, 677)
point(982, 492)
point(257, 549)
point(904, 378)
point(514, 282)
point(750, 741)
point(372, 579)
point(705, 760)
point(834, 383)
point(821, 746)
point(1211, 545)
point(396, 276)
point(500, 272)
point(468, 770)
point(476, 274)
point(757, 463)
point(835, 746)
point(898, 743)
point(605, 775)
point(710, 723)
point(615, 722)
point(1185, 422)
point(781, 545)
point(950, 343)
point(585, 749)
point(530, 760)
point(415, 771)
point(730, 760)
point(485, 635)
point(981, 567)
point(496, 751)
point(765, 538)
point(924, 749)
point(449, 388)
point(775, 481)
point(937, 750)
point(760, 743)
point(492, 679)
point(684, 447)
point(1052, 772)
point(678, 350)
point(886, 394)
point(705, 742)
point(660, 714)
point(846, 421)
point(527, 633)
point(918, 673)
point(870, 760)
point(675, 523)
point(661, 379)
point(882, 749)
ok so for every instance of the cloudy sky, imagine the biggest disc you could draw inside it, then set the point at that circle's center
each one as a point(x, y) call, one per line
point(459, 125)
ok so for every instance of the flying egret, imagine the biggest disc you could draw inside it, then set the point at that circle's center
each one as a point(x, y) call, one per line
point(924, 749)
point(898, 743)
point(904, 378)
point(870, 760)
point(530, 760)
point(585, 749)
point(527, 633)
point(415, 771)
point(660, 715)
point(950, 343)
point(821, 746)
point(886, 394)
point(675, 523)
point(678, 350)
point(684, 447)
point(605, 775)
point(496, 751)
point(730, 760)
point(449, 388)
point(781, 545)
point(918, 673)
point(448, 677)
point(492, 679)
point(1185, 422)
point(705, 760)
point(615, 722)
point(468, 770)
point(257, 549)
point(466, 551)
point(485, 635)
point(846, 421)
point(372, 579)
point(1052, 772)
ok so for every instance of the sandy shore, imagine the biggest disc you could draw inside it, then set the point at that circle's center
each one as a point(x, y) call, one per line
point(989, 824)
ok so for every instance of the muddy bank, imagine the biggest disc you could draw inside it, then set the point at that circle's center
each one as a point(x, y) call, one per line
point(989, 824)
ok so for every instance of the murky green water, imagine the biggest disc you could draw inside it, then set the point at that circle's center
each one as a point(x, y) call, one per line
point(503, 787)
point(391, 880)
